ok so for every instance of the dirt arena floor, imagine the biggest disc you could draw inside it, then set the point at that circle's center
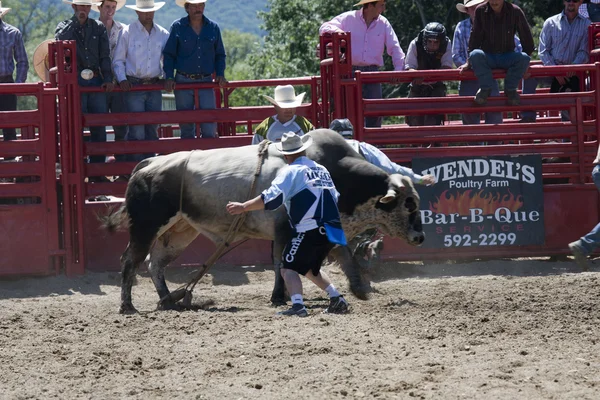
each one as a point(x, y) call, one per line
point(503, 329)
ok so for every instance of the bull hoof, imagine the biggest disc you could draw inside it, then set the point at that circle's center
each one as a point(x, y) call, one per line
point(127, 309)
point(360, 291)
point(167, 304)
point(278, 301)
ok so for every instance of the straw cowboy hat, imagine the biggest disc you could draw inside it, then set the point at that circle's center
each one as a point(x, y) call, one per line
point(120, 4)
point(291, 143)
point(361, 2)
point(40, 60)
point(285, 97)
point(181, 3)
point(146, 5)
point(82, 2)
point(3, 10)
point(468, 3)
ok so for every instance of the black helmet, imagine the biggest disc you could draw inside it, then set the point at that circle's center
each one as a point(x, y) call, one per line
point(433, 30)
point(343, 127)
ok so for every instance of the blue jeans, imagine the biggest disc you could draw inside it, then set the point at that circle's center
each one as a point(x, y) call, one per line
point(591, 241)
point(115, 102)
point(469, 88)
point(529, 87)
point(514, 63)
point(184, 100)
point(370, 91)
point(94, 103)
point(140, 102)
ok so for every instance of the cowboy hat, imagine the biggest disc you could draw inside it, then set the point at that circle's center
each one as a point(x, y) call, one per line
point(146, 5)
point(40, 60)
point(361, 2)
point(291, 143)
point(285, 97)
point(120, 4)
point(3, 10)
point(82, 2)
point(469, 3)
point(181, 3)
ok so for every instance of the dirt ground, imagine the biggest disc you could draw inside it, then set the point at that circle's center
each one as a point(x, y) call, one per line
point(505, 329)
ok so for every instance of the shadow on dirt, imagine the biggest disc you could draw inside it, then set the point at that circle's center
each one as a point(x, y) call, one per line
point(521, 267)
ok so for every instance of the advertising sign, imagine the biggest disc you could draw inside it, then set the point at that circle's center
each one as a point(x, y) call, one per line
point(482, 201)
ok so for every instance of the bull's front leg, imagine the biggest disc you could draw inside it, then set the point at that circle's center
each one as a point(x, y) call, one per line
point(278, 297)
point(352, 269)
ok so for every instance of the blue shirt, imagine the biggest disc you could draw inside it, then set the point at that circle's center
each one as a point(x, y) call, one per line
point(194, 54)
point(460, 42)
point(564, 43)
point(12, 49)
point(308, 192)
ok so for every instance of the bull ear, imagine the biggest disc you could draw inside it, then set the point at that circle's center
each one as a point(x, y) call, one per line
point(389, 196)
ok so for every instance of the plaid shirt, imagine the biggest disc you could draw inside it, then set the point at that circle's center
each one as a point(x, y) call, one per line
point(12, 49)
point(564, 43)
point(493, 33)
point(460, 43)
point(583, 11)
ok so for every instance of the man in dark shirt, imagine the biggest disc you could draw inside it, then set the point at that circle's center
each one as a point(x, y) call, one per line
point(93, 62)
point(492, 44)
point(195, 49)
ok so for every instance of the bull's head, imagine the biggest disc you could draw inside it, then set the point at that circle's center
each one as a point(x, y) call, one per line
point(401, 204)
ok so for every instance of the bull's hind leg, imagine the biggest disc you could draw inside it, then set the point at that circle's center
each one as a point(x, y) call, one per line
point(133, 256)
point(167, 248)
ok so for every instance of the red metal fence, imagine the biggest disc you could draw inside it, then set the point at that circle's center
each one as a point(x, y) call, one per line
point(58, 229)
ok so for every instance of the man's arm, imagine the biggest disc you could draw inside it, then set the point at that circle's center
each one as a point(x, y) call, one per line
point(476, 37)
point(104, 54)
point(459, 47)
point(335, 25)
point(447, 57)
point(545, 49)
point(411, 61)
point(20, 56)
point(254, 204)
point(393, 48)
point(170, 52)
point(583, 55)
point(220, 56)
point(120, 57)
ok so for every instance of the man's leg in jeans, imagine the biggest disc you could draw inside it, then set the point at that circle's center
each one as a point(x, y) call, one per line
point(494, 117)
point(482, 65)
point(134, 102)
point(153, 103)
point(207, 101)
point(529, 87)
point(184, 100)
point(97, 105)
point(372, 91)
point(588, 243)
point(469, 88)
point(438, 90)
point(8, 102)
point(116, 104)
point(516, 65)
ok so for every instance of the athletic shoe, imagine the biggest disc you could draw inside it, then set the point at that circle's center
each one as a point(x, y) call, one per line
point(337, 305)
point(580, 256)
point(296, 309)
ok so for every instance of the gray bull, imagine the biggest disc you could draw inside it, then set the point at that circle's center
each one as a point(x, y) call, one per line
point(163, 223)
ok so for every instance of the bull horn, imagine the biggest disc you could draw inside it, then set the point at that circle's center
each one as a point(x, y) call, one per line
point(389, 196)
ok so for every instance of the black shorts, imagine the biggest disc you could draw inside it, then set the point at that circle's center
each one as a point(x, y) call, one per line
point(306, 251)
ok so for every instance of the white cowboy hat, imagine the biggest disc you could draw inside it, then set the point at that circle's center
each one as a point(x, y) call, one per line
point(40, 60)
point(120, 4)
point(82, 2)
point(469, 3)
point(285, 97)
point(291, 143)
point(181, 3)
point(361, 2)
point(146, 5)
point(3, 10)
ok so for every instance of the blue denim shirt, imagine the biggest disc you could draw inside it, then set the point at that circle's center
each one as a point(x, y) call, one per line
point(194, 54)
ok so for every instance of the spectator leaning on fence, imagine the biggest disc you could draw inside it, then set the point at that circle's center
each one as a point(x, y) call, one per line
point(564, 41)
point(590, 9)
point(93, 63)
point(491, 45)
point(12, 50)
point(286, 120)
point(195, 49)
point(137, 61)
point(115, 102)
point(371, 33)
point(431, 49)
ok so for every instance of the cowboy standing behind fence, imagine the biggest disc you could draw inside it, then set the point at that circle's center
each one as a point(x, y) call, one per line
point(12, 50)
point(285, 119)
point(137, 61)
point(195, 49)
point(310, 198)
point(93, 62)
point(369, 33)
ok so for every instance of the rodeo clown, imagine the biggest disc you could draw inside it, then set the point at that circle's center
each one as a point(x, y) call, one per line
point(310, 198)
point(431, 49)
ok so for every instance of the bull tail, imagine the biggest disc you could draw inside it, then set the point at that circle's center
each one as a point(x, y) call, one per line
point(115, 219)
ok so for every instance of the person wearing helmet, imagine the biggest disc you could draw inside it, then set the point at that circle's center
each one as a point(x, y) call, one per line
point(431, 49)
point(375, 156)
